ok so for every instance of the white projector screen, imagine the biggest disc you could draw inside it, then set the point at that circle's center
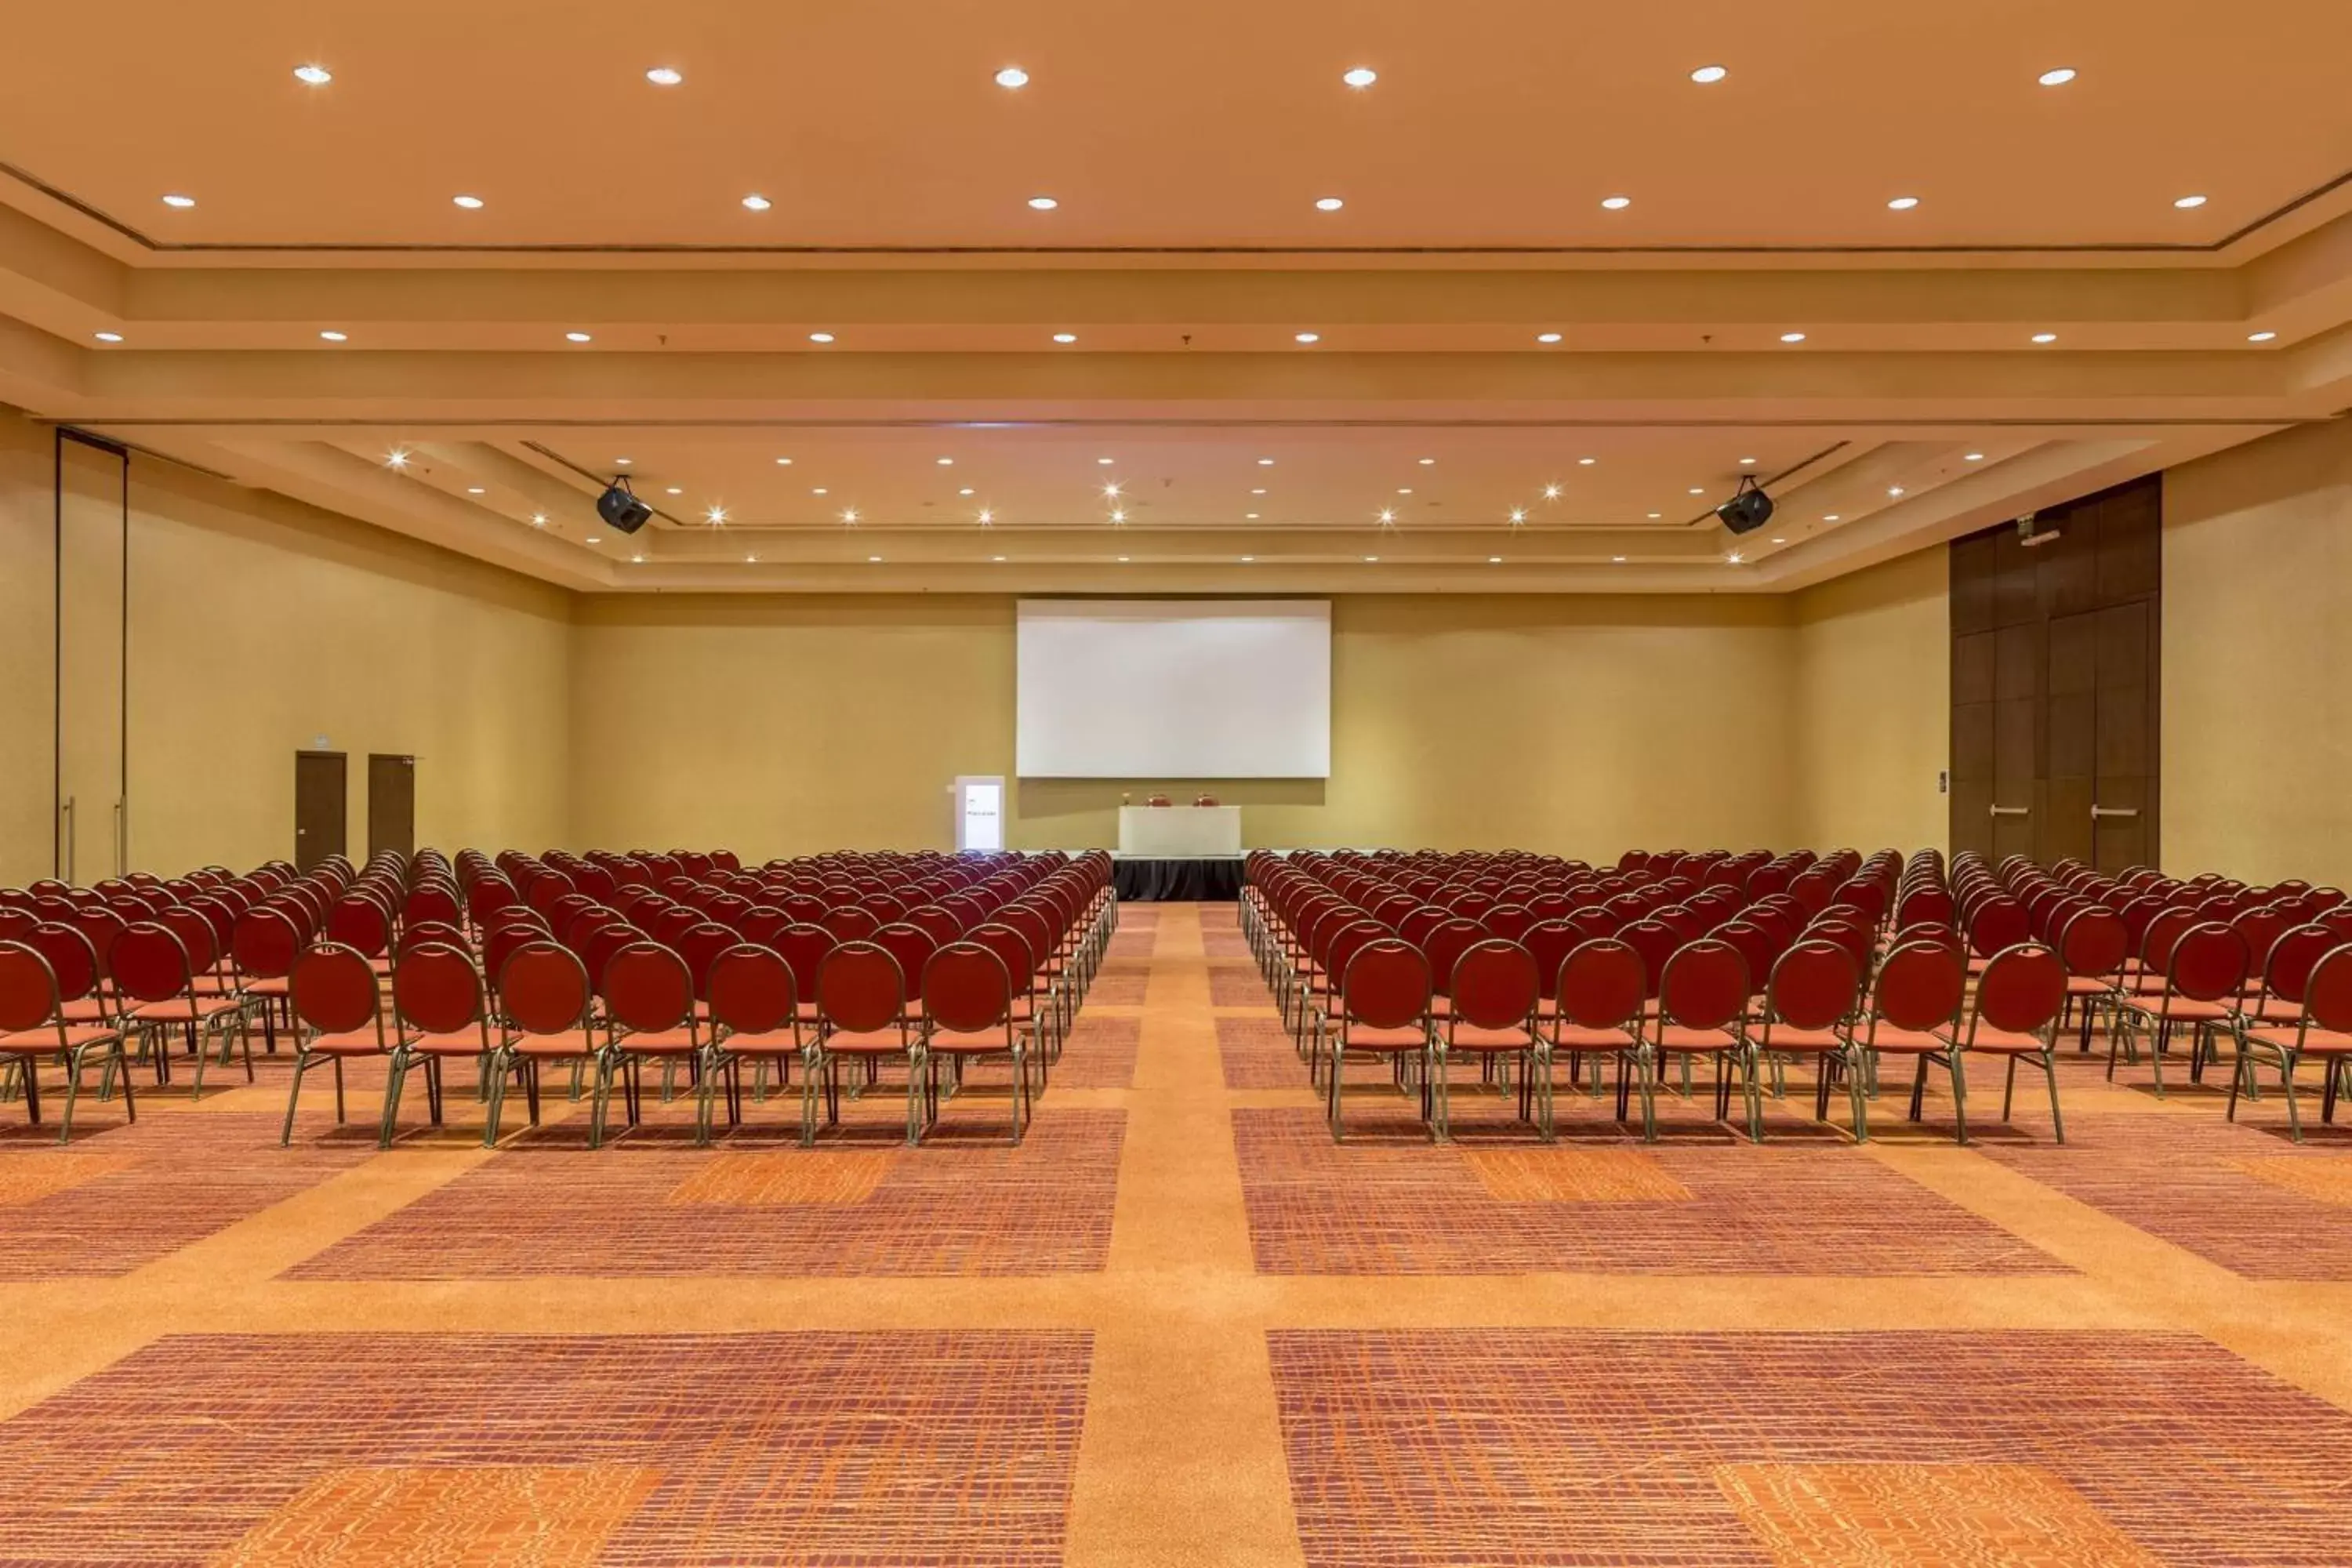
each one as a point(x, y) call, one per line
point(1140, 688)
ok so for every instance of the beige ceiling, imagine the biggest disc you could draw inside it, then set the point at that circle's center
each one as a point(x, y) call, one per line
point(1758, 299)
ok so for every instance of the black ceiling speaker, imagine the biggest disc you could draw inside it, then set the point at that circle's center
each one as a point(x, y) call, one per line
point(1748, 509)
point(620, 506)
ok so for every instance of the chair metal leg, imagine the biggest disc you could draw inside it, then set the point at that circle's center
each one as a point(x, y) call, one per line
point(293, 1095)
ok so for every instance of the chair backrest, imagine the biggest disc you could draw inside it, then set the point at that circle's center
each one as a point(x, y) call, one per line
point(1495, 986)
point(967, 989)
point(2094, 943)
point(850, 923)
point(1998, 924)
point(2208, 962)
point(1656, 942)
point(1418, 922)
point(149, 964)
point(1603, 984)
point(1920, 986)
point(941, 924)
point(73, 963)
point(435, 989)
point(1549, 942)
point(1704, 986)
point(1345, 938)
point(2022, 990)
point(28, 990)
point(751, 990)
point(266, 941)
point(334, 991)
point(1013, 950)
point(860, 988)
point(1386, 984)
point(358, 921)
point(911, 945)
point(1813, 985)
point(2327, 1000)
point(648, 988)
point(543, 989)
point(1509, 922)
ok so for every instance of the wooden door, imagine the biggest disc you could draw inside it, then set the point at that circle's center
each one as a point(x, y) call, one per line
point(320, 805)
point(392, 803)
point(93, 539)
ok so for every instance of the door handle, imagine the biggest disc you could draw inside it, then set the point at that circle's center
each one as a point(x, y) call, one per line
point(2012, 810)
point(2099, 811)
point(66, 833)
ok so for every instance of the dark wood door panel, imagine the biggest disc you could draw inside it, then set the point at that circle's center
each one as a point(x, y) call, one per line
point(1973, 667)
point(392, 803)
point(319, 806)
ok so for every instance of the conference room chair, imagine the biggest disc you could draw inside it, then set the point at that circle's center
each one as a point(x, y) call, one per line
point(2204, 970)
point(649, 1015)
point(440, 1011)
point(756, 1016)
point(1495, 990)
point(35, 1027)
point(1383, 1011)
point(2094, 945)
point(861, 1002)
point(1914, 1004)
point(546, 1013)
point(1341, 938)
point(156, 985)
point(2310, 972)
point(338, 1015)
point(1811, 996)
point(1702, 1012)
point(968, 1016)
point(2014, 1016)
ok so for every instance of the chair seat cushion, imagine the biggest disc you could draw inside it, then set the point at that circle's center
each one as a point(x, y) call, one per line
point(356, 1043)
point(662, 1043)
point(46, 1042)
point(769, 1043)
point(1464, 1037)
point(564, 1045)
point(1577, 1037)
point(180, 1009)
point(2188, 1010)
point(1676, 1038)
point(867, 1043)
point(2089, 985)
point(1788, 1038)
point(2314, 1043)
point(1913, 1042)
point(1364, 1037)
point(2004, 1042)
point(457, 1043)
point(978, 1042)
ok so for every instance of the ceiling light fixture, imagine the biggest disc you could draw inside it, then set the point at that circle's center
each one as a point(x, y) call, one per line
point(313, 74)
point(1105, 462)
point(2059, 76)
point(947, 462)
point(1044, 203)
point(1247, 558)
point(677, 490)
point(2045, 337)
point(1779, 540)
point(850, 516)
point(1249, 516)
point(1258, 490)
point(665, 76)
point(179, 201)
point(1792, 337)
point(965, 492)
point(108, 337)
point(757, 203)
point(1387, 517)
point(1359, 77)
point(395, 458)
point(1404, 490)
point(1546, 337)
point(716, 515)
point(1065, 337)
point(1122, 560)
point(1902, 204)
point(1519, 515)
point(1371, 558)
point(1586, 462)
point(1733, 558)
point(820, 337)
point(624, 462)
point(1972, 457)
point(1012, 77)
point(1616, 204)
point(1707, 75)
point(1309, 337)
point(539, 520)
point(1493, 560)
point(1655, 515)
point(1265, 462)
point(1111, 491)
point(1328, 203)
point(998, 558)
point(1894, 490)
point(576, 338)
point(474, 490)
point(1118, 516)
point(471, 203)
point(1829, 516)
point(986, 517)
point(820, 490)
point(2260, 337)
point(873, 559)
point(1619, 559)
point(2184, 203)
point(1698, 489)
point(1426, 461)
point(783, 462)
point(335, 337)
point(1551, 492)
point(598, 540)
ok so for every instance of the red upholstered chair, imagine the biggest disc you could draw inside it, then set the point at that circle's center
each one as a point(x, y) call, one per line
point(1496, 989)
point(2094, 944)
point(338, 1014)
point(1383, 1010)
point(156, 984)
point(861, 999)
point(2204, 972)
point(545, 999)
point(438, 1003)
point(2019, 998)
point(1602, 996)
point(1810, 999)
point(1913, 1007)
point(34, 1023)
point(1702, 1012)
point(756, 1016)
point(649, 1016)
point(1339, 938)
point(967, 1013)
point(2310, 974)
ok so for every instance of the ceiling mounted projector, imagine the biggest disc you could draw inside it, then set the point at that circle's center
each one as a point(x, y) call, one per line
point(621, 509)
point(1748, 509)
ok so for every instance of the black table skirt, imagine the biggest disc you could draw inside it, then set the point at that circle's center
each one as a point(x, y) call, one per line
point(1177, 881)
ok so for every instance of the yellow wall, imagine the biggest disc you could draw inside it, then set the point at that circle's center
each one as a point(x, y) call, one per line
point(1873, 709)
point(1576, 724)
point(2257, 718)
point(257, 624)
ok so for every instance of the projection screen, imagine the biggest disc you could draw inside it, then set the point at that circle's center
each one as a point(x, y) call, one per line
point(1146, 689)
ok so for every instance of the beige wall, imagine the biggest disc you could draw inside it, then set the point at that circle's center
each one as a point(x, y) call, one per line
point(1577, 724)
point(256, 626)
point(2257, 720)
point(1873, 708)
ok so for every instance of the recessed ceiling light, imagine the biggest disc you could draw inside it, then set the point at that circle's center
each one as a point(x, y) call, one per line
point(474, 490)
point(1249, 516)
point(1328, 203)
point(1371, 558)
point(1745, 461)
point(539, 520)
point(1972, 457)
point(1894, 490)
point(1616, 204)
point(1707, 76)
point(1546, 337)
point(598, 540)
point(639, 560)
point(2057, 78)
point(757, 203)
point(576, 338)
point(849, 516)
point(2045, 337)
point(665, 76)
point(1586, 462)
point(395, 458)
point(965, 492)
point(1111, 490)
point(108, 337)
point(1698, 489)
point(1829, 516)
point(1265, 462)
point(1619, 560)
point(1404, 490)
point(751, 560)
point(675, 490)
point(1779, 542)
point(986, 517)
point(1792, 337)
point(1309, 337)
point(1247, 558)
point(996, 558)
point(1426, 461)
point(1044, 203)
point(820, 490)
point(1122, 560)
point(1387, 516)
point(947, 462)
point(2260, 337)
point(179, 201)
point(313, 74)
point(1012, 77)
point(2186, 201)
point(1361, 76)
point(1493, 560)
point(1518, 514)
point(1105, 462)
point(1118, 516)
point(624, 462)
point(874, 559)
point(1551, 492)
point(820, 337)
point(716, 515)
point(471, 203)
point(1065, 337)
point(1259, 490)
point(1733, 558)
point(1655, 515)
point(783, 462)
point(1904, 203)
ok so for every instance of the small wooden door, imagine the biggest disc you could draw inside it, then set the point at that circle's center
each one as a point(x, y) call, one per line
point(321, 804)
point(392, 803)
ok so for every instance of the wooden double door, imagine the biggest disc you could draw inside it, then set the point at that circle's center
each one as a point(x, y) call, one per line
point(2055, 683)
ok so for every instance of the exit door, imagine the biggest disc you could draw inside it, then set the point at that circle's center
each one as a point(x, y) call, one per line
point(320, 805)
point(391, 804)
